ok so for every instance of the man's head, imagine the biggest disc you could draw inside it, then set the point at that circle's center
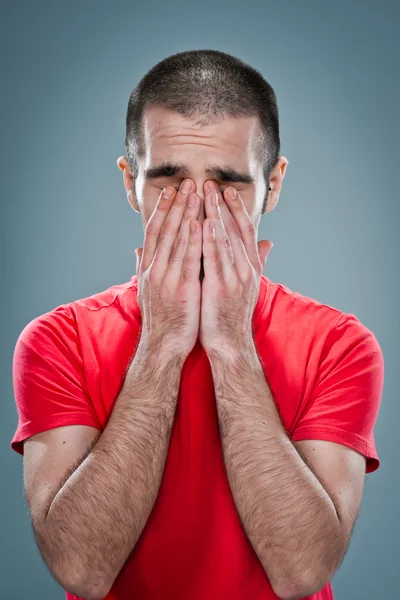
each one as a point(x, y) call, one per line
point(212, 114)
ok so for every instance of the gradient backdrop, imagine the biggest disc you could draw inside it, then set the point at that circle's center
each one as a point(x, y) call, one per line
point(67, 231)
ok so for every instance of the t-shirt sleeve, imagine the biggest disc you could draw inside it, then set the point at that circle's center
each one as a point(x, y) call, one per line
point(345, 400)
point(48, 377)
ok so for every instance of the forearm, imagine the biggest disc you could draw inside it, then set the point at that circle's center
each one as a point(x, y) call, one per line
point(289, 517)
point(98, 515)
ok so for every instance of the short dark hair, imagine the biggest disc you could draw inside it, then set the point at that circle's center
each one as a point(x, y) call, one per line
point(205, 85)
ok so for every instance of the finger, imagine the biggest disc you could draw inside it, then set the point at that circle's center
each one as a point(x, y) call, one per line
point(185, 256)
point(170, 227)
point(153, 226)
point(222, 242)
point(191, 265)
point(211, 264)
point(138, 252)
point(241, 260)
point(246, 225)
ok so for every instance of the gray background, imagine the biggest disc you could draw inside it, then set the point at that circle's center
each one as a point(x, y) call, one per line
point(68, 232)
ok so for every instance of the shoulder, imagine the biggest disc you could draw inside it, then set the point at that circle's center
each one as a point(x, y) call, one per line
point(63, 322)
point(108, 297)
point(307, 312)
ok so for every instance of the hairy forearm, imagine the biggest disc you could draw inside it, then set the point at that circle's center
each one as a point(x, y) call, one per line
point(288, 516)
point(99, 513)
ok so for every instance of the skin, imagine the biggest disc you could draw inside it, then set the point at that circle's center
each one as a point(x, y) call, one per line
point(297, 502)
point(171, 137)
point(299, 543)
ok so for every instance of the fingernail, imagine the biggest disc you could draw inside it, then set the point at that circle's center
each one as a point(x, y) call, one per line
point(167, 192)
point(212, 185)
point(232, 193)
point(185, 187)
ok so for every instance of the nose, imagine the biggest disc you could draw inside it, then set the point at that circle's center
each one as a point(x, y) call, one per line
point(201, 188)
point(202, 214)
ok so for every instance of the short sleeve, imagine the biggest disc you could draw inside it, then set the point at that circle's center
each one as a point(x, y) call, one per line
point(48, 377)
point(345, 401)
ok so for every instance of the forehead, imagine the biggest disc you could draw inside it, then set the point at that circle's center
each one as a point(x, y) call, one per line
point(167, 132)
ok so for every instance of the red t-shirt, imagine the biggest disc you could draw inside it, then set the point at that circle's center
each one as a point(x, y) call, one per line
point(324, 368)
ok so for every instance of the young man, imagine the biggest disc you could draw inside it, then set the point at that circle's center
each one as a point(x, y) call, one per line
point(198, 432)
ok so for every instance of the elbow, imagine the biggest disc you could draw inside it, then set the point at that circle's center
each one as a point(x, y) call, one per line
point(298, 585)
point(70, 572)
point(303, 587)
point(299, 589)
point(83, 587)
point(86, 592)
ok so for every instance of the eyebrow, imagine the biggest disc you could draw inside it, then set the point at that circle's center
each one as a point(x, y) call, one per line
point(228, 174)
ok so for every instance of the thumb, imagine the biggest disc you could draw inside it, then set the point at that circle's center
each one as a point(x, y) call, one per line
point(138, 254)
point(264, 248)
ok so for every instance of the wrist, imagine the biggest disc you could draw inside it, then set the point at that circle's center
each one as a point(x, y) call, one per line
point(153, 376)
point(165, 352)
point(233, 347)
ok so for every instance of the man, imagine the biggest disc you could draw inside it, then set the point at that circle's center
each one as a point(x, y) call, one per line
point(198, 432)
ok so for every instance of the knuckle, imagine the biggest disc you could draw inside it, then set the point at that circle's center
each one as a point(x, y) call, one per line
point(190, 259)
point(187, 273)
point(152, 275)
point(250, 228)
point(225, 241)
point(151, 227)
point(177, 248)
point(213, 257)
point(167, 227)
point(218, 269)
point(248, 277)
point(180, 199)
point(188, 215)
point(232, 228)
point(163, 235)
point(188, 265)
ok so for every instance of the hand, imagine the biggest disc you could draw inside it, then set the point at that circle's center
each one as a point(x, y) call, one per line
point(168, 266)
point(233, 265)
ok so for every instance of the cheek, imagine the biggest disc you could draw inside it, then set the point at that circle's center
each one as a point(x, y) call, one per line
point(251, 207)
point(147, 209)
point(147, 199)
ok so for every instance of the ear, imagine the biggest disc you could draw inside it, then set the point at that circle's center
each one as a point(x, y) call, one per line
point(275, 183)
point(128, 179)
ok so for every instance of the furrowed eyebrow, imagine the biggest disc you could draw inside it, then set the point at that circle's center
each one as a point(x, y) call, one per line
point(228, 174)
